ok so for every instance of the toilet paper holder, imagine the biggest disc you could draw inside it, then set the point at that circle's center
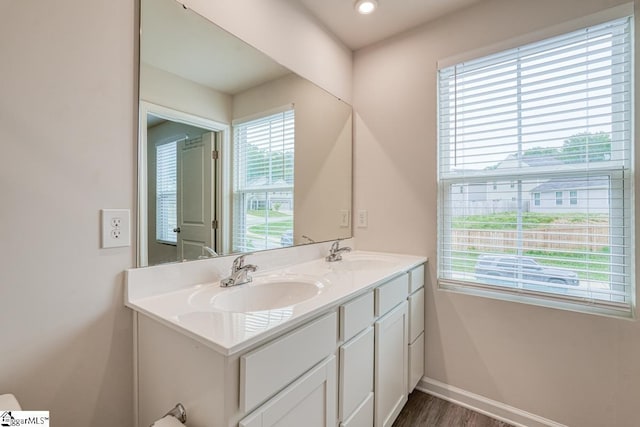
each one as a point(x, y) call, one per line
point(178, 412)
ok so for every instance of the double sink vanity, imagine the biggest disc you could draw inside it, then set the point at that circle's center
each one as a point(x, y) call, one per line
point(305, 342)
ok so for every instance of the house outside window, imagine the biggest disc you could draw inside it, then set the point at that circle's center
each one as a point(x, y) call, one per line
point(535, 122)
point(573, 197)
point(263, 182)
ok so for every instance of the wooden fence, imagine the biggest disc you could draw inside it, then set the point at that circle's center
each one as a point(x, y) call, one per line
point(592, 238)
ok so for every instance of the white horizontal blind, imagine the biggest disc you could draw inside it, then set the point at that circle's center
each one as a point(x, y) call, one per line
point(263, 182)
point(535, 184)
point(166, 187)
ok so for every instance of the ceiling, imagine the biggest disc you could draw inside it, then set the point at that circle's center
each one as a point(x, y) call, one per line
point(181, 42)
point(391, 17)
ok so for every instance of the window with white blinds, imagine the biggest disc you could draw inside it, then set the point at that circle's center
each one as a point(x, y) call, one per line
point(263, 182)
point(166, 187)
point(535, 172)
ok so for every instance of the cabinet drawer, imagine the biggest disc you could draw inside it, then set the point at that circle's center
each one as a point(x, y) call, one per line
point(416, 315)
point(416, 362)
point(356, 373)
point(416, 279)
point(391, 294)
point(268, 369)
point(363, 415)
point(355, 316)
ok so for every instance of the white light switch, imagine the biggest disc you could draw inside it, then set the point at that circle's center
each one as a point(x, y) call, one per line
point(363, 220)
point(116, 228)
point(344, 218)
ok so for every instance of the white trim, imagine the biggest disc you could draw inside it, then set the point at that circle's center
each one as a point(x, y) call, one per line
point(610, 14)
point(555, 301)
point(180, 117)
point(136, 383)
point(224, 197)
point(492, 408)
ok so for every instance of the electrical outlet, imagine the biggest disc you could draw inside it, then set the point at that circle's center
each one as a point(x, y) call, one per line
point(116, 228)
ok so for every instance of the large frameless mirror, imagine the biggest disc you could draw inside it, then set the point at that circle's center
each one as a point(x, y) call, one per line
point(236, 152)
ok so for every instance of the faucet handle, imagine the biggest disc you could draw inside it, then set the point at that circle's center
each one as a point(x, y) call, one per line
point(238, 263)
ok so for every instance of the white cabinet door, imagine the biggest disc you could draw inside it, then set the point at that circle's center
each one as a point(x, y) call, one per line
point(310, 401)
point(391, 370)
point(416, 362)
point(362, 416)
point(356, 373)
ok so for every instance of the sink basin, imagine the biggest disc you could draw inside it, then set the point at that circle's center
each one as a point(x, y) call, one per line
point(264, 293)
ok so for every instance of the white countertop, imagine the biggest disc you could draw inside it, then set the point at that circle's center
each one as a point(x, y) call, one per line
point(186, 308)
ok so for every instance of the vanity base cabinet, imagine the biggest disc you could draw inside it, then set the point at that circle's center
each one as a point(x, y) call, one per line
point(309, 401)
point(351, 366)
point(391, 365)
point(172, 367)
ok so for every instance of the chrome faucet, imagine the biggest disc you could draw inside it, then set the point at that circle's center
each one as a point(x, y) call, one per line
point(239, 272)
point(335, 252)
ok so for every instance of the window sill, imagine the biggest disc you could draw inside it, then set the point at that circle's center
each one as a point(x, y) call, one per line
point(559, 302)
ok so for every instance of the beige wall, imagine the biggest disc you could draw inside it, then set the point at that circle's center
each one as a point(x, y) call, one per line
point(580, 370)
point(68, 118)
point(323, 134)
point(169, 90)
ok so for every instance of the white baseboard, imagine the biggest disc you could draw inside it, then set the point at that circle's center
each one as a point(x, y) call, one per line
point(483, 405)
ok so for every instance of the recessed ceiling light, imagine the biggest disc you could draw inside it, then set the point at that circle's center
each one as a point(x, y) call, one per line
point(366, 7)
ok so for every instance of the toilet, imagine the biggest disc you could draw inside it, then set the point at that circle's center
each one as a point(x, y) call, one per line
point(8, 402)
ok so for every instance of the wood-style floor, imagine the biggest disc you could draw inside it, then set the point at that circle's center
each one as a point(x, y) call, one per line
point(425, 410)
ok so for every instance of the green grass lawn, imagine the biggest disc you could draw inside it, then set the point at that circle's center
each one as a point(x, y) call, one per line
point(262, 213)
point(273, 228)
point(530, 220)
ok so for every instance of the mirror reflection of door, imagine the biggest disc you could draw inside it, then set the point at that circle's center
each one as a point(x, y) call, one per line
point(181, 191)
point(194, 213)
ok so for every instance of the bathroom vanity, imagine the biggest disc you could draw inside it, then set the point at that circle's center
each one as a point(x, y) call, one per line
point(312, 343)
